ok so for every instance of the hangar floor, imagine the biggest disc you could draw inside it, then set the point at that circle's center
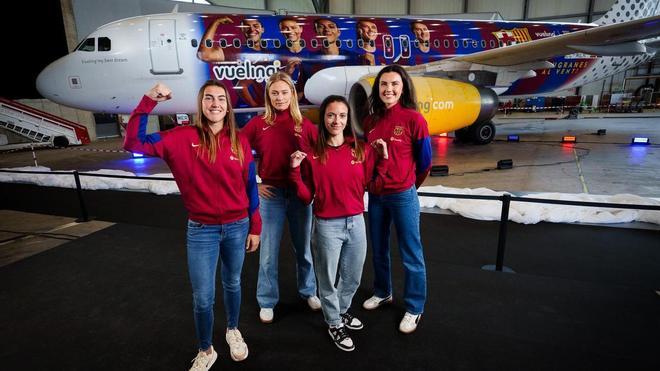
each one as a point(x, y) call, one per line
point(597, 164)
point(583, 297)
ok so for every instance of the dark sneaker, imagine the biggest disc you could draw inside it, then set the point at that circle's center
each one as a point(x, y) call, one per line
point(351, 322)
point(341, 338)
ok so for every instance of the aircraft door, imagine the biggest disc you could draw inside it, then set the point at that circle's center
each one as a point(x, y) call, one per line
point(162, 47)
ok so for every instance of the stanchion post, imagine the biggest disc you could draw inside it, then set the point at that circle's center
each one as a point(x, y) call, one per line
point(501, 240)
point(83, 208)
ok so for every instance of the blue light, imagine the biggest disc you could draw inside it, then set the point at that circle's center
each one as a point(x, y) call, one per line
point(137, 155)
point(640, 140)
point(513, 138)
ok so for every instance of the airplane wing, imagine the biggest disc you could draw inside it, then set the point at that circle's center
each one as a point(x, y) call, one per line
point(614, 39)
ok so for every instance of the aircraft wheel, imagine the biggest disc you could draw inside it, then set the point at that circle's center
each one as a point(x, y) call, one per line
point(482, 132)
point(61, 141)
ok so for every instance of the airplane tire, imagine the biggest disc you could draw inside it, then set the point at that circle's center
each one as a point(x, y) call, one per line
point(61, 141)
point(482, 132)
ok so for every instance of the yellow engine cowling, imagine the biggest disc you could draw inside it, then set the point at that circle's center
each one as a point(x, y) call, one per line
point(447, 105)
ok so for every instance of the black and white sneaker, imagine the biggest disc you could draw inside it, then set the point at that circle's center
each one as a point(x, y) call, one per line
point(351, 322)
point(341, 338)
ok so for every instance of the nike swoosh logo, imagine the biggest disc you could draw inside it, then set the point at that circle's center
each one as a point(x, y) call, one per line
point(265, 128)
point(315, 157)
point(194, 145)
point(371, 130)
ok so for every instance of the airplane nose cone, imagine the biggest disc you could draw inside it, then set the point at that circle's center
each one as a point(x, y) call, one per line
point(325, 82)
point(48, 84)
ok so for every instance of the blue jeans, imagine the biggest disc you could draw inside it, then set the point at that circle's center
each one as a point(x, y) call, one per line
point(205, 244)
point(402, 209)
point(273, 211)
point(340, 244)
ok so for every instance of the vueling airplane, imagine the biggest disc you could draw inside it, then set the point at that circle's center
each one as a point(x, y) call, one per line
point(459, 67)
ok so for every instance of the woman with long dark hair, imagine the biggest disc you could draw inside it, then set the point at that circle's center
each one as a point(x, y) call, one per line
point(213, 167)
point(340, 169)
point(394, 119)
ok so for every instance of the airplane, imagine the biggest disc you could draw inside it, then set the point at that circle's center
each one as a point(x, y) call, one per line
point(459, 67)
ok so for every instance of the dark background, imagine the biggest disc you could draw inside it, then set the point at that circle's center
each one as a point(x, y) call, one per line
point(33, 37)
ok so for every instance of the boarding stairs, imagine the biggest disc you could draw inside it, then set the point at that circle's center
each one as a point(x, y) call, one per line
point(41, 128)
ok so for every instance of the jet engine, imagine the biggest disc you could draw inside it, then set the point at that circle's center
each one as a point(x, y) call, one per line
point(447, 105)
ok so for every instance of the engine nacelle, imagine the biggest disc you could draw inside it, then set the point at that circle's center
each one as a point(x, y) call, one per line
point(447, 105)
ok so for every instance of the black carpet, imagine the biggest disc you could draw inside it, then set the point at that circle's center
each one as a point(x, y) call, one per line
point(583, 298)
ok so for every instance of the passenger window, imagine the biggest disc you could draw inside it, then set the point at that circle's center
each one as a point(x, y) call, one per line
point(349, 43)
point(223, 43)
point(277, 43)
point(455, 43)
point(302, 43)
point(465, 43)
point(338, 43)
point(360, 43)
point(264, 43)
point(436, 43)
point(446, 43)
point(88, 45)
point(237, 43)
point(483, 44)
point(315, 43)
point(492, 43)
point(104, 44)
point(193, 42)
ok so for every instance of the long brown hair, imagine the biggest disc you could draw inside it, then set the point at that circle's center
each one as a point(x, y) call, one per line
point(209, 141)
point(320, 148)
point(294, 109)
point(408, 97)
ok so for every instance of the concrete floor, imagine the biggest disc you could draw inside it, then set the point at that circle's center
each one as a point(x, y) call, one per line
point(25, 234)
point(596, 164)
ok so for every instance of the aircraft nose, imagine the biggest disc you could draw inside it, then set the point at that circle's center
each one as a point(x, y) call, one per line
point(325, 82)
point(52, 81)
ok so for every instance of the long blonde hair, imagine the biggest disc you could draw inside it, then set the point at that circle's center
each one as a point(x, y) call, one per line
point(294, 109)
point(209, 141)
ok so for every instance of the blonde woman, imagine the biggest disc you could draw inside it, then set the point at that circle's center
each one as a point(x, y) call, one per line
point(280, 131)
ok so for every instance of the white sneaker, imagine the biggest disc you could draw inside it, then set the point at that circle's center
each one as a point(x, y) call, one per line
point(237, 347)
point(204, 361)
point(314, 303)
point(266, 315)
point(375, 302)
point(409, 323)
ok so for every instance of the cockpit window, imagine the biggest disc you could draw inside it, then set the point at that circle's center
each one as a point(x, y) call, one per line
point(104, 44)
point(88, 45)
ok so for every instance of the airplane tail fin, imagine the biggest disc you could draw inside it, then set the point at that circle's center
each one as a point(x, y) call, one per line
point(626, 10)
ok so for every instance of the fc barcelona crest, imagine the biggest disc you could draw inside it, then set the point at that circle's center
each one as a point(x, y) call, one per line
point(398, 130)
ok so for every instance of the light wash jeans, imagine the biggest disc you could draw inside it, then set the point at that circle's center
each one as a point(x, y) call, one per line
point(403, 209)
point(340, 245)
point(205, 244)
point(273, 211)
